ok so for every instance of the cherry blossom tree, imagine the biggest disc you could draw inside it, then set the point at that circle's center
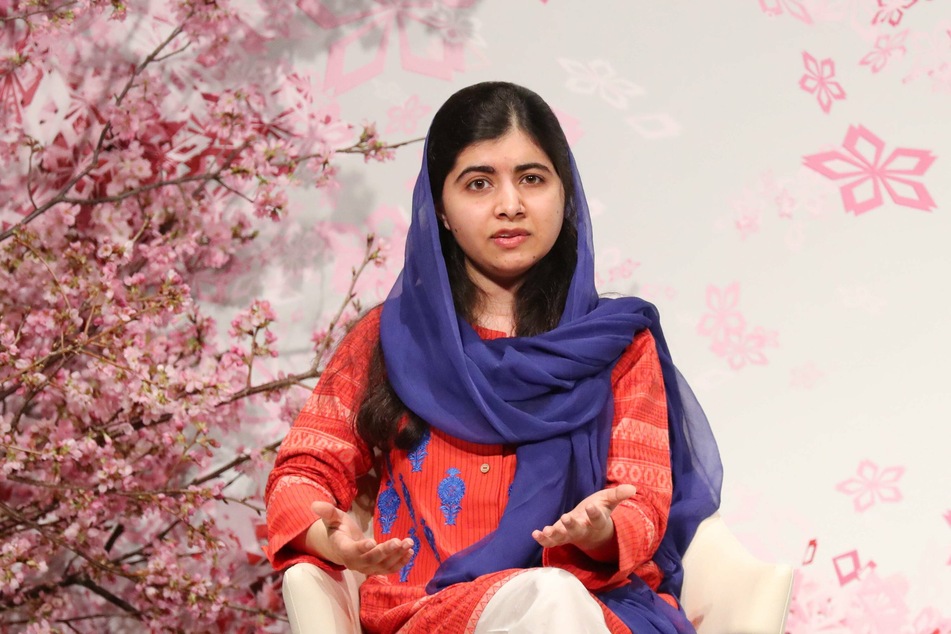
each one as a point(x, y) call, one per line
point(142, 145)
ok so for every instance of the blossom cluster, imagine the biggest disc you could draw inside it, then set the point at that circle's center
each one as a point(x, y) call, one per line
point(138, 160)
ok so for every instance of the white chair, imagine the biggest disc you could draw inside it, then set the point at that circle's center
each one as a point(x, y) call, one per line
point(726, 590)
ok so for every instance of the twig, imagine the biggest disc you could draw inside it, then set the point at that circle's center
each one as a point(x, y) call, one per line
point(108, 596)
point(355, 148)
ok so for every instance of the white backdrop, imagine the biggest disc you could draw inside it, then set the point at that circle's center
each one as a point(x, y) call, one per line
point(773, 174)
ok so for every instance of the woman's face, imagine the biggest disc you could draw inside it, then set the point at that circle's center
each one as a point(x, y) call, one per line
point(504, 204)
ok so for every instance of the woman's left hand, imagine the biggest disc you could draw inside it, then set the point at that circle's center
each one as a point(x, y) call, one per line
point(589, 525)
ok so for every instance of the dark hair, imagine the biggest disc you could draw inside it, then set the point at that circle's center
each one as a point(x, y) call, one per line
point(483, 112)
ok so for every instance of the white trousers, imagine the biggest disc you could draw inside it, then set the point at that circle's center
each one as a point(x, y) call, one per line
point(542, 600)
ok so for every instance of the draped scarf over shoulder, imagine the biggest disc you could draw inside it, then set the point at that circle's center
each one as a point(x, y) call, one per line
point(550, 396)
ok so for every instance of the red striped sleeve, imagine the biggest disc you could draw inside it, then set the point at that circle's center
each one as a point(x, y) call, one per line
point(640, 455)
point(322, 457)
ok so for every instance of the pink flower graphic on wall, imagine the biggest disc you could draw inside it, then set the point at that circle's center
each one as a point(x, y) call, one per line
point(818, 80)
point(885, 47)
point(816, 606)
point(864, 165)
point(654, 126)
point(730, 336)
point(570, 125)
point(932, 58)
point(406, 117)
point(724, 316)
point(892, 11)
point(748, 211)
point(794, 8)
point(872, 484)
point(18, 87)
point(806, 376)
point(880, 606)
point(444, 57)
point(599, 76)
point(931, 621)
point(745, 347)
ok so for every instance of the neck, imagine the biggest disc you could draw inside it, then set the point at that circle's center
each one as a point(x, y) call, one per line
point(496, 309)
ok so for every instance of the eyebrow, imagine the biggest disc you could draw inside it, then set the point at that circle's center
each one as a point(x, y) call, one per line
point(488, 169)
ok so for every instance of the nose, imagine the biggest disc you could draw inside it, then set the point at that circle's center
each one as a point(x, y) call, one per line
point(509, 203)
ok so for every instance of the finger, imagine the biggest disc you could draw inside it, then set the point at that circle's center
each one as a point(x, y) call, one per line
point(542, 539)
point(393, 555)
point(618, 494)
point(576, 528)
point(597, 516)
point(329, 513)
point(395, 561)
point(391, 549)
point(551, 536)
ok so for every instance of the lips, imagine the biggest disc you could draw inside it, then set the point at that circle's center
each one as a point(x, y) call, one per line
point(509, 233)
point(509, 238)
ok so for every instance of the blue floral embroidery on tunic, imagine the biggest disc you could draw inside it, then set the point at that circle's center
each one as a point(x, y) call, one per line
point(431, 538)
point(388, 504)
point(451, 490)
point(404, 571)
point(409, 502)
point(417, 455)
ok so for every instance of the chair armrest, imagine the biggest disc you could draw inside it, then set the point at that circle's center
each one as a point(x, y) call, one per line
point(322, 602)
point(728, 590)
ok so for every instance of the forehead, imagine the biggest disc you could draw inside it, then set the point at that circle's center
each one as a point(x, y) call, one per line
point(514, 146)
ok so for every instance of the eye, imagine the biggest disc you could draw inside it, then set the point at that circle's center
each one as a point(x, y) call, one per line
point(477, 184)
point(532, 179)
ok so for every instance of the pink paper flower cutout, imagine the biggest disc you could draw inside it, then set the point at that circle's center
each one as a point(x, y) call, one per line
point(654, 126)
point(794, 8)
point(880, 605)
point(385, 18)
point(724, 316)
point(818, 80)
point(892, 11)
point(599, 76)
point(745, 347)
point(863, 165)
point(806, 376)
point(885, 47)
point(871, 485)
point(930, 621)
point(404, 118)
point(571, 126)
point(17, 91)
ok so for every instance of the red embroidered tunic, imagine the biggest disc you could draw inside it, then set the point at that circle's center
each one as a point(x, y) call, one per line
point(447, 494)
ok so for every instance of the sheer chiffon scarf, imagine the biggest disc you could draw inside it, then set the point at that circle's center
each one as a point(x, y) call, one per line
point(550, 396)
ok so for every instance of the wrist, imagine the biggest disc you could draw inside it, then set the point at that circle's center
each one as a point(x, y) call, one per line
point(606, 551)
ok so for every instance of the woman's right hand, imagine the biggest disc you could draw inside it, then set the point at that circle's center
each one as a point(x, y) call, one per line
point(337, 538)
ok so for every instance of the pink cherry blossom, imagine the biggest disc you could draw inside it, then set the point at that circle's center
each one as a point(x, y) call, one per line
point(864, 164)
point(818, 80)
point(872, 484)
point(141, 198)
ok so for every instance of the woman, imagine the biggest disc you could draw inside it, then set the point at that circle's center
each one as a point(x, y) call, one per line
point(538, 472)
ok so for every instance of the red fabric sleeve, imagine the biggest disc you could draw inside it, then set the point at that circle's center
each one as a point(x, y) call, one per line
point(322, 457)
point(640, 455)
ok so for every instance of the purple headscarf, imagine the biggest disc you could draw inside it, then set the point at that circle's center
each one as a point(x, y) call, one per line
point(550, 395)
